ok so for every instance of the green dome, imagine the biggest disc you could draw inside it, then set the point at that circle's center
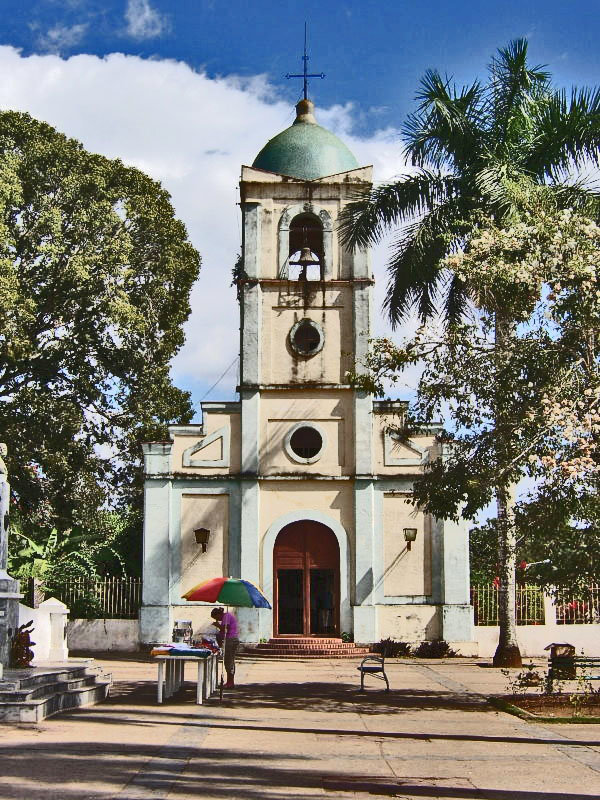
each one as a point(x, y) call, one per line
point(305, 150)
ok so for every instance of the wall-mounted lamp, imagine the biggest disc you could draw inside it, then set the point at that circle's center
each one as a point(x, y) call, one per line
point(410, 534)
point(202, 536)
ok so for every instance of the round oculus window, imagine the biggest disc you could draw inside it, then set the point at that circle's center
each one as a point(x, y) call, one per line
point(306, 337)
point(304, 443)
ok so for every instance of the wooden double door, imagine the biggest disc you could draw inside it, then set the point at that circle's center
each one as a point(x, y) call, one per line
point(306, 562)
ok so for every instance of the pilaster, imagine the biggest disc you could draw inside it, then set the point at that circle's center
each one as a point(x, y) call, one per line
point(155, 616)
point(252, 239)
point(457, 612)
point(250, 618)
point(363, 402)
point(365, 544)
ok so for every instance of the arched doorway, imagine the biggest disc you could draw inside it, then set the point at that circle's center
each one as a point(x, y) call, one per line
point(306, 569)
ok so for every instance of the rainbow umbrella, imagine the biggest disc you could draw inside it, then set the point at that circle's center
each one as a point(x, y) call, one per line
point(230, 592)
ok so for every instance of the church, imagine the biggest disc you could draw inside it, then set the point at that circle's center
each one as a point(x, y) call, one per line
point(300, 486)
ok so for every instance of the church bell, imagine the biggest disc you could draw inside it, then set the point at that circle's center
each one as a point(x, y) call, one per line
point(305, 261)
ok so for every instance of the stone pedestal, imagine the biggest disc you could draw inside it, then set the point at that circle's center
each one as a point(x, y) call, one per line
point(9, 616)
point(57, 619)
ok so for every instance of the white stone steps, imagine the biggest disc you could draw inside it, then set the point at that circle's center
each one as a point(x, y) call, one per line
point(40, 693)
point(42, 689)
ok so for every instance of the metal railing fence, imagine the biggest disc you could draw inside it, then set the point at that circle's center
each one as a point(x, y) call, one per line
point(573, 611)
point(107, 598)
point(121, 598)
point(529, 604)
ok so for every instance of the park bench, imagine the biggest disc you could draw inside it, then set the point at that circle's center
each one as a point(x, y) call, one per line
point(566, 667)
point(375, 666)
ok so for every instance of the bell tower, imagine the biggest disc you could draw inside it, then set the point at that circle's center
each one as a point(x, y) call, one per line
point(305, 321)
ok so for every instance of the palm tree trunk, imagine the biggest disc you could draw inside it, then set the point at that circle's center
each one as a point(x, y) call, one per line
point(507, 653)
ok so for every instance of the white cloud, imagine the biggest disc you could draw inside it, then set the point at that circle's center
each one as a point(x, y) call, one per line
point(143, 21)
point(191, 133)
point(62, 37)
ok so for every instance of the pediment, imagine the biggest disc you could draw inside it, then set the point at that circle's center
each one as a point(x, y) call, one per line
point(221, 435)
point(403, 453)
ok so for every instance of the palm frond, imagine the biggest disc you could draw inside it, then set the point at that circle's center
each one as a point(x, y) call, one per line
point(458, 300)
point(364, 221)
point(513, 86)
point(579, 195)
point(446, 130)
point(502, 188)
point(414, 267)
point(567, 132)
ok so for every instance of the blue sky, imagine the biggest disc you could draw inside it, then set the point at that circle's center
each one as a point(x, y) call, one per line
point(372, 51)
point(200, 88)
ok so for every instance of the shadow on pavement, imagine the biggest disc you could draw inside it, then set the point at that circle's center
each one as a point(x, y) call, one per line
point(195, 771)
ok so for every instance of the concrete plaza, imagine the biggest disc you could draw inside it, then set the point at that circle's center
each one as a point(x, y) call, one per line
point(300, 729)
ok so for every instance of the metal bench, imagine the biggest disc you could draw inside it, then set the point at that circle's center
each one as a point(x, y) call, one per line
point(565, 668)
point(375, 666)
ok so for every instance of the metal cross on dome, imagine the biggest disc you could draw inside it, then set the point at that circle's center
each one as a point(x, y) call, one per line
point(305, 74)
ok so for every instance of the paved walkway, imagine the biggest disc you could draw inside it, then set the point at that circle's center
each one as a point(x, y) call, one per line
point(299, 729)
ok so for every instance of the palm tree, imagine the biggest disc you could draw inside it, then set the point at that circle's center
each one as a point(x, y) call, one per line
point(470, 148)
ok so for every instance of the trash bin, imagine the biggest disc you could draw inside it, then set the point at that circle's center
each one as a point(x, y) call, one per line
point(563, 654)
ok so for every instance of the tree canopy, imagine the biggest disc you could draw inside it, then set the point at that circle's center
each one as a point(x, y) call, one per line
point(95, 277)
point(470, 147)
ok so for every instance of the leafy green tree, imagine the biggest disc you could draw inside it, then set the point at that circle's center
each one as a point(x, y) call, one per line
point(475, 150)
point(95, 276)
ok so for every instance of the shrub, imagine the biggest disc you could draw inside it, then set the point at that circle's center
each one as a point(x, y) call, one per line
point(390, 648)
point(436, 649)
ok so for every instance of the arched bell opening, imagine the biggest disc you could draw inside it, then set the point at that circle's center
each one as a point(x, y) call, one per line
point(306, 581)
point(305, 249)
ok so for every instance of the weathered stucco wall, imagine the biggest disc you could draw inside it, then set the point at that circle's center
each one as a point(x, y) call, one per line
point(406, 572)
point(203, 511)
point(333, 413)
point(98, 635)
point(331, 310)
point(409, 623)
point(275, 194)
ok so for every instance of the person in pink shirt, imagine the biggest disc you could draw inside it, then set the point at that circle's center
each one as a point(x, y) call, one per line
point(228, 639)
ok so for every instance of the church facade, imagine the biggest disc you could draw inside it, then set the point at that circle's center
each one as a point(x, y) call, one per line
point(300, 486)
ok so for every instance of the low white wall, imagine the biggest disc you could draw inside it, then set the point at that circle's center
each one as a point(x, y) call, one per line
point(533, 639)
point(103, 634)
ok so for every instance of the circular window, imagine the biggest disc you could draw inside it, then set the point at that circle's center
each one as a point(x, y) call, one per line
point(306, 337)
point(305, 442)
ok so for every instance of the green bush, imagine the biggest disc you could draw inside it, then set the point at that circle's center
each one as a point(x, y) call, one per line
point(391, 648)
point(436, 649)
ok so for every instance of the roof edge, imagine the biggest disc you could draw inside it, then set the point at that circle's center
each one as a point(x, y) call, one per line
point(247, 175)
